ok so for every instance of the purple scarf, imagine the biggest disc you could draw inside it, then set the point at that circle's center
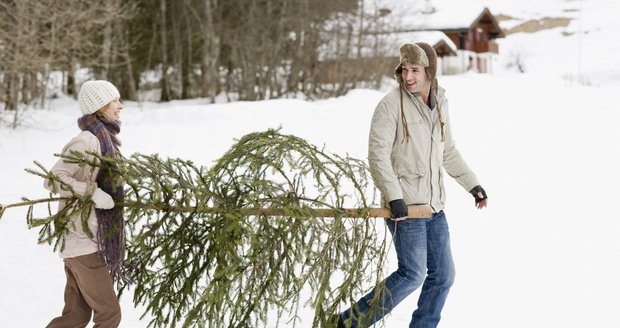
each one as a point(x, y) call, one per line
point(111, 233)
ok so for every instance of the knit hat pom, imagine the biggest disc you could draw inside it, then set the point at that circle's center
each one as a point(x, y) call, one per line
point(94, 95)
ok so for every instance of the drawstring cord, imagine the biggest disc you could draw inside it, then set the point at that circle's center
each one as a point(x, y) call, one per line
point(402, 114)
point(404, 119)
point(441, 123)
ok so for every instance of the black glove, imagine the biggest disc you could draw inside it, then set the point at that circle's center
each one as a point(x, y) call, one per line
point(475, 191)
point(399, 208)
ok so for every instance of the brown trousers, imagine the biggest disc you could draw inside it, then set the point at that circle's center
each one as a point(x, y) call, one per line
point(89, 289)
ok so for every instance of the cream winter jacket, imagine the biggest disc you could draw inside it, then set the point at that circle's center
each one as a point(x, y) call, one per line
point(82, 180)
point(411, 169)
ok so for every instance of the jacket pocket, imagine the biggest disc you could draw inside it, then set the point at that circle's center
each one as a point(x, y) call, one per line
point(414, 121)
point(415, 125)
point(413, 186)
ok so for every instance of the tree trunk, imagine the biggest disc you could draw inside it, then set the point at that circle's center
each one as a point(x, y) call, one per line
point(356, 74)
point(165, 94)
point(71, 87)
point(129, 82)
point(177, 50)
point(185, 85)
point(33, 85)
point(186, 62)
point(25, 90)
point(106, 47)
point(210, 51)
point(10, 102)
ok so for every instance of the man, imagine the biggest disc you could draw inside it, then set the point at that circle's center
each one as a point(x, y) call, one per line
point(410, 144)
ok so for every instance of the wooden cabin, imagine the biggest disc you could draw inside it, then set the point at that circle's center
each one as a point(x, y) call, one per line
point(472, 31)
point(476, 43)
point(463, 37)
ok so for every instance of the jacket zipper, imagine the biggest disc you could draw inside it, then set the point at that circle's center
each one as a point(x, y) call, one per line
point(430, 157)
point(439, 180)
point(430, 166)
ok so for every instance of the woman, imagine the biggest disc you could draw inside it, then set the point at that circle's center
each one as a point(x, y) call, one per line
point(93, 261)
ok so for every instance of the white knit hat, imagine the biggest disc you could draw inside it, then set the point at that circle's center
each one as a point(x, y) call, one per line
point(96, 94)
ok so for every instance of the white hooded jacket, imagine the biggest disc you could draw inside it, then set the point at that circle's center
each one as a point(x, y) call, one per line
point(411, 168)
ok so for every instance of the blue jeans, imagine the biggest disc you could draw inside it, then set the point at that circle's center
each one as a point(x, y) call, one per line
point(421, 245)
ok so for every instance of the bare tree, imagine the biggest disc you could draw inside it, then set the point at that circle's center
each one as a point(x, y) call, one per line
point(248, 49)
point(210, 50)
point(516, 58)
point(165, 92)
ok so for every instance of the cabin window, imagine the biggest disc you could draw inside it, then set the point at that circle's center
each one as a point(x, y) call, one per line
point(479, 34)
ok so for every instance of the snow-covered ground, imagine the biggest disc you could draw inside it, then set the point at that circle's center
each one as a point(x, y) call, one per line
point(543, 254)
point(585, 50)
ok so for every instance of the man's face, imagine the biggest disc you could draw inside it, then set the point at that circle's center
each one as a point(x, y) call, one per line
point(415, 78)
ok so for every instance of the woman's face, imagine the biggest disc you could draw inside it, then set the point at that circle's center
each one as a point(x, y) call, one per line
point(415, 78)
point(112, 112)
